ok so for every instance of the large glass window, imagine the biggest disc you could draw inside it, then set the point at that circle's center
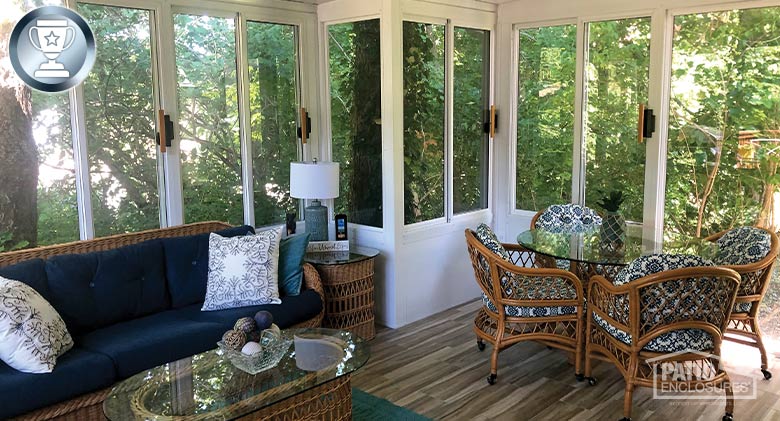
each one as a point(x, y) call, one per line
point(208, 118)
point(471, 96)
point(424, 146)
point(273, 68)
point(545, 110)
point(38, 204)
point(616, 81)
point(356, 118)
point(723, 129)
point(120, 124)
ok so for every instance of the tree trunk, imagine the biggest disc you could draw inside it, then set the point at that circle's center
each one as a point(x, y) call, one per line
point(18, 157)
point(19, 169)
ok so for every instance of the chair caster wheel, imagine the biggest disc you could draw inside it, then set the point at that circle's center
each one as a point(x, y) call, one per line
point(492, 379)
point(579, 377)
point(480, 345)
point(728, 417)
point(766, 373)
point(592, 381)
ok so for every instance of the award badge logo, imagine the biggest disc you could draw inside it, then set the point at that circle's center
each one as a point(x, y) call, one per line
point(52, 49)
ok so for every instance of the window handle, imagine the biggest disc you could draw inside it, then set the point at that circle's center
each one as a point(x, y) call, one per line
point(492, 122)
point(646, 123)
point(165, 126)
point(304, 130)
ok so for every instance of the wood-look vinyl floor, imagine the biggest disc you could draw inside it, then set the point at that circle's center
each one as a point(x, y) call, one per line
point(433, 367)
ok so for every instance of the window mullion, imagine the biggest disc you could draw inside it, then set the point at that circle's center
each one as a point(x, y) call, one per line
point(449, 57)
point(580, 104)
point(81, 164)
point(244, 122)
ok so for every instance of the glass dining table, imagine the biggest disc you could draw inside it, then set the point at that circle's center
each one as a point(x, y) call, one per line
point(590, 255)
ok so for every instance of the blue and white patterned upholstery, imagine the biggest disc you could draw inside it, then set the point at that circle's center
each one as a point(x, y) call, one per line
point(568, 218)
point(488, 238)
point(742, 307)
point(743, 246)
point(674, 341)
point(655, 263)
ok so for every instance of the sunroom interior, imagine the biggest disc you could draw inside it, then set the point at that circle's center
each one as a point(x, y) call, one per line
point(443, 115)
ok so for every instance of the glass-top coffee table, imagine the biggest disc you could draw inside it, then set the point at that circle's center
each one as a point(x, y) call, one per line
point(209, 386)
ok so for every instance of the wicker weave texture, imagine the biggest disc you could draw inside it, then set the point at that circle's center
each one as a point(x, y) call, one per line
point(331, 401)
point(349, 297)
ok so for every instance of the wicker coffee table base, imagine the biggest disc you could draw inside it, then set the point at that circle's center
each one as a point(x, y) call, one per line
point(329, 401)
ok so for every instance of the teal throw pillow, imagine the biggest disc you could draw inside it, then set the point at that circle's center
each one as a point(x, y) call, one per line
point(291, 252)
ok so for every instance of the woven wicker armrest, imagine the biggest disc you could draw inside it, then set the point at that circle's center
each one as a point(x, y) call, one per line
point(532, 286)
point(609, 301)
point(312, 280)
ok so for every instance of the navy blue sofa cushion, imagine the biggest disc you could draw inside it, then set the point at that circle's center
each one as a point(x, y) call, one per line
point(294, 309)
point(144, 343)
point(31, 272)
point(77, 372)
point(187, 265)
point(92, 290)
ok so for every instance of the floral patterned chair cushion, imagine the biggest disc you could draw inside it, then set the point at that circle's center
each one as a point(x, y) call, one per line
point(743, 246)
point(674, 341)
point(742, 307)
point(488, 238)
point(569, 218)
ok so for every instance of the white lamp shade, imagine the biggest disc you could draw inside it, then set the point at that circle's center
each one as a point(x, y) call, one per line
point(310, 180)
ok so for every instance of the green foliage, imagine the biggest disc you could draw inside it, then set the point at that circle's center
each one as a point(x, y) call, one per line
point(545, 106)
point(423, 61)
point(356, 118)
point(612, 201)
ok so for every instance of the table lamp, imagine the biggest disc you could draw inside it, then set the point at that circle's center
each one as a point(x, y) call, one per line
point(315, 180)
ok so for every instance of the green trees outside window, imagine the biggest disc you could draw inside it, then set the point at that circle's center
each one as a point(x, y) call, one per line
point(208, 119)
point(273, 68)
point(120, 122)
point(545, 110)
point(617, 76)
point(471, 100)
point(356, 118)
point(423, 61)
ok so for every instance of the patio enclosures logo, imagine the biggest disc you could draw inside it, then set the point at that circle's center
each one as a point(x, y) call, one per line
point(52, 49)
point(691, 374)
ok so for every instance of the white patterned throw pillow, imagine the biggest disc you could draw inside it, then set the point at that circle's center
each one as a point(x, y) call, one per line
point(243, 270)
point(32, 333)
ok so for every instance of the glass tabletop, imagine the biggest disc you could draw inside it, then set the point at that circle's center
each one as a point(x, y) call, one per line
point(588, 247)
point(355, 254)
point(209, 386)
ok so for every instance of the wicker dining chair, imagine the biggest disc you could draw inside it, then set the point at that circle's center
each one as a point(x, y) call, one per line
point(752, 253)
point(664, 309)
point(523, 302)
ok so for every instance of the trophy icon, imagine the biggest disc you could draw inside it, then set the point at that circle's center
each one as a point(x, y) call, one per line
point(52, 36)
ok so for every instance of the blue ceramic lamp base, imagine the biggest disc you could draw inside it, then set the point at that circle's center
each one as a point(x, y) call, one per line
point(317, 221)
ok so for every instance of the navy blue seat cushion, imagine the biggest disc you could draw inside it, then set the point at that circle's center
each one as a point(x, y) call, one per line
point(187, 265)
point(294, 309)
point(31, 272)
point(291, 252)
point(77, 372)
point(144, 343)
point(92, 290)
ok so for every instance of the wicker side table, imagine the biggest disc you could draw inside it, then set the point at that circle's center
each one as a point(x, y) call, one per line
point(348, 281)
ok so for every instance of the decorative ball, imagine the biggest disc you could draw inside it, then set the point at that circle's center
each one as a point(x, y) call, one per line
point(263, 319)
point(234, 339)
point(251, 348)
point(255, 336)
point(245, 324)
point(275, 330)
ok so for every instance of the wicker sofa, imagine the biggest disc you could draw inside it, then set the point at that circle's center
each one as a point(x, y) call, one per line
point(131, 302)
